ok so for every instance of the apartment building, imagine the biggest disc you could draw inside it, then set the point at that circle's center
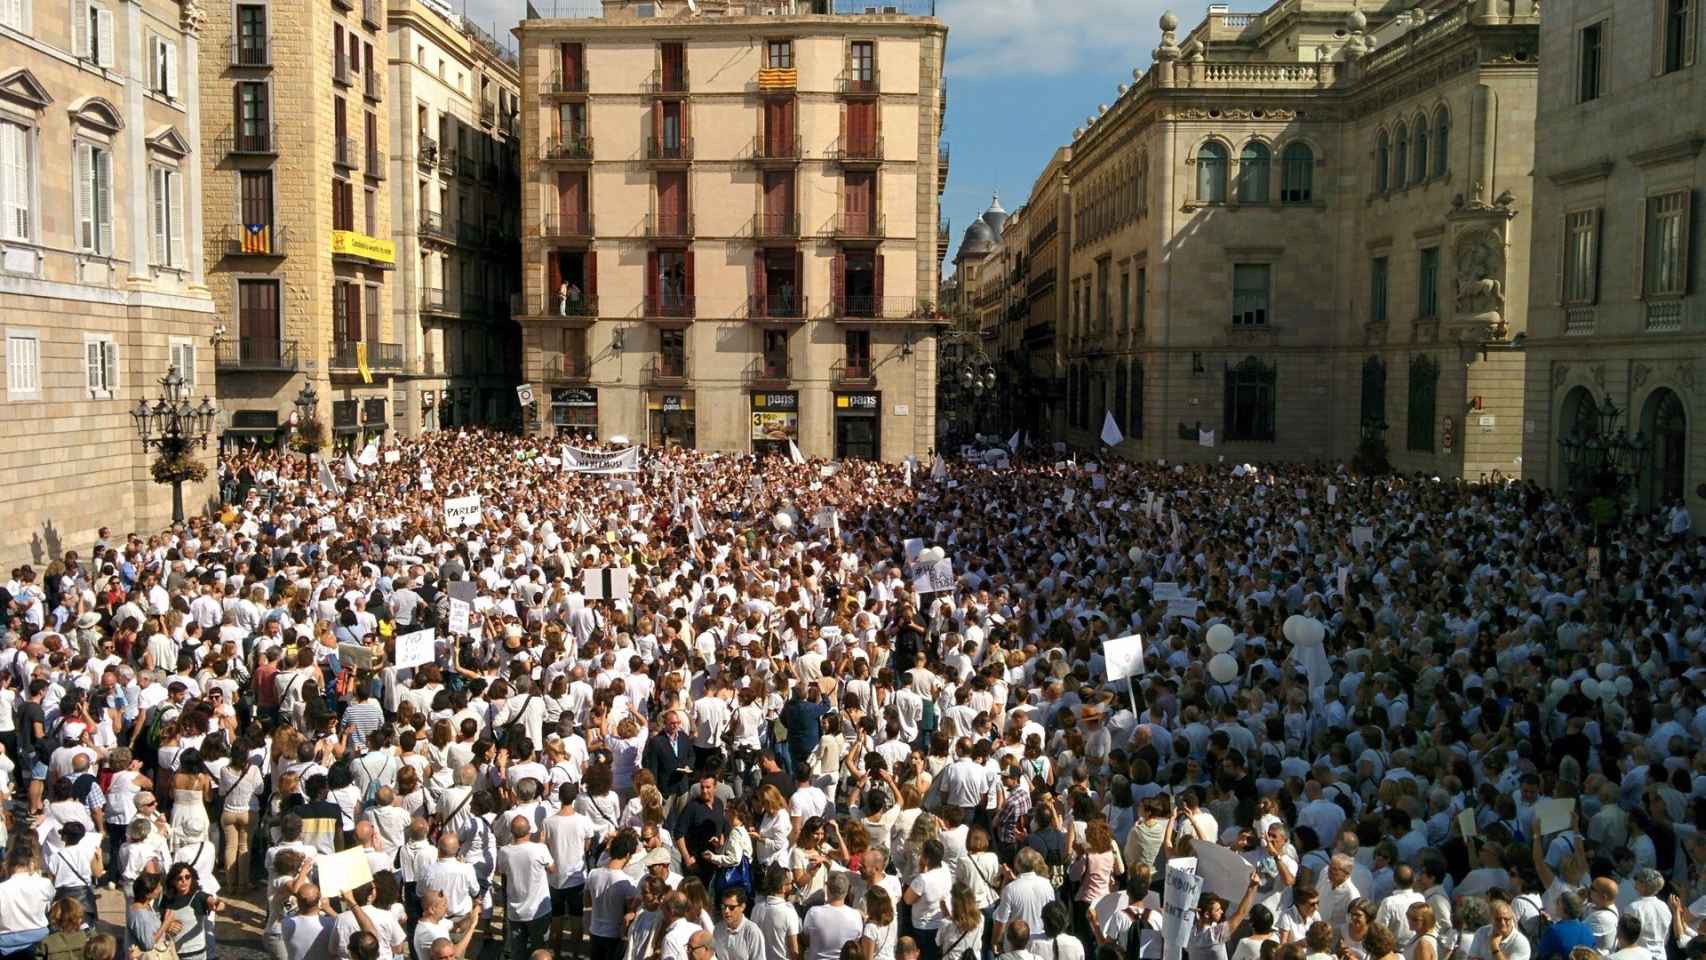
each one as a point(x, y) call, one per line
point(730, 223)
point(1307, 228)
point(101, 274)
point(296, 187)
point(456, 220)
point(1617, 310)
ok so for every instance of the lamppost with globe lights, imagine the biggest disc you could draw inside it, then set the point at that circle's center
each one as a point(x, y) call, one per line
point(304, 420)
point(174, 426)
point(1602, 462)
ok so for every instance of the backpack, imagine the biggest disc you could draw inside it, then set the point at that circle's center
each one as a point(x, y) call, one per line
point(154, 726)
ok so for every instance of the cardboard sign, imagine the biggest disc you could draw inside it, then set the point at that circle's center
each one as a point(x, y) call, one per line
point(913, 547)
point(392, 456)
point(1552, 814)
point(463, 590)
point(1124, 657)
point(1332, 494)
point(415, 649)
point(1179, 908)
point(938, 579)
point(1165, 590)
point(355, 655)
point(459, 611)
point(462, 511)
point(1224, 873)
point(1361, 536)
point(342, 872)
point(1182, 607)
point(605, 583)
point(328, 525)
point(1344, 581)
point(1466, 823)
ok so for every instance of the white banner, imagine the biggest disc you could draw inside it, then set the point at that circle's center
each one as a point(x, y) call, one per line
point(415, 649)
point(576, 460)
point(459, 610)
point(462, 511)
point(1224, 873)
point(605, 583)
point(938, 579)
point(1178, 910)
point(1123, 656)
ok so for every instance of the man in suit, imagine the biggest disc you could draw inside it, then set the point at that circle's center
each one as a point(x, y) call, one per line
point(669, 757)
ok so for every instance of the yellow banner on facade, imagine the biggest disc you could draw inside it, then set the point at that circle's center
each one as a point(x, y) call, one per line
point(777, 78)
point(361, 361)
point(350, 243)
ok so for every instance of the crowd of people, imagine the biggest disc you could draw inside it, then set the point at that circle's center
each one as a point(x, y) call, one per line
point(754, 709)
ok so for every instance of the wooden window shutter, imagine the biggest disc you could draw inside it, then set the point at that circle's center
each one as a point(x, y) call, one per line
point(759, 281)
point(652, 277)
point(838, 278)
point(554, 268)
point(686, 122)
point(1687, 218)
point(800, 279)
point(844, 126)
point(592, 273)
point(788, 109)
point(877, 285)
point(657, 122)
point(687, 273)
point(1593, 259)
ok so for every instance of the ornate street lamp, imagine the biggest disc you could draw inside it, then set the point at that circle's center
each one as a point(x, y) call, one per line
point(307, 425)
point(1601, 459)
point(174, 426)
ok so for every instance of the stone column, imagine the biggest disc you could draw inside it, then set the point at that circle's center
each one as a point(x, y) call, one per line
point(135, 142)
point(190, 20)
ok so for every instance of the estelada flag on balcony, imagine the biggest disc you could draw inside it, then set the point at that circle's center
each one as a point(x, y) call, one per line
point(361, 361)
point(778, 78)
point(257, 238)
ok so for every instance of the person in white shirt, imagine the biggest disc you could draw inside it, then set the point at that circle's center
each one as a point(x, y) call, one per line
point(928, 893)
point(735, 937)
point(436, 938)
point(1654, 913)
point(525, 865)
point(451, 877)
point(381, 922)
point(567, 833)
point(830, 925)
point(610, 899)
point(776, 918)
point(1500, 939)
point(1025, 896)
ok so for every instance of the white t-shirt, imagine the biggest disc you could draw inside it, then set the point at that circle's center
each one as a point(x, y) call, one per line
point(308, 938)
point(607, 894)
point(526, 870)
point(778, 921)
point(24, 899)
point(933, 888)
point(1024, 899)
point(385, 926)
point(567, 837)
point(827, 928)
point(428, 932)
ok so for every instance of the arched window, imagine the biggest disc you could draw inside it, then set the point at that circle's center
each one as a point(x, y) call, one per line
point(1297, 178)
point(1419, 146)
point(1382, 162)
point(1401, 158)
point(1211, 173)
point(1665, 422)
point(1442, 142)
point(1253, 173)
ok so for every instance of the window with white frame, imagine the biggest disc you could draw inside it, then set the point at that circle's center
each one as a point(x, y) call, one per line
point(1581, 256)
point(1665, 247)
point(1251, 292)
point(94, 198)
point(92, 33)
point(183, 357)
point(162, 67)
point(166, 215)
point(12, 14)
point(100, 357)
point(23, 365)
point(17, 180)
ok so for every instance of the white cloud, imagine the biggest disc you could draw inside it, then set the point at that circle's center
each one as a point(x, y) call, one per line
point(1047, 37)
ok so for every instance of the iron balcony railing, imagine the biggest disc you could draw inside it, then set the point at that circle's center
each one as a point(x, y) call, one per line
point(666, 369)
point(380, 356)
point(669, 306)
point(764, 371)
point(778, 306)
point(373, 12)
point(571, 368)
point(433, 226)
point(669, 81)
point(258, 140)
point(871, 307)
point(566, 225)
point(858, 150)
point(554, 303)
point(340, 69)
point(447, 161)
point(375, 164)
point(859, 226)
point(673, 226)
point(488, 112)
point(774, 226)
point(343, 151)
point(433, 300)
point(251, 52)
point(249, 353)
point(852, 371)
point(371, 88)
point(560, 83)
point(428, 155)
point(679, 148)
point(777, 149)
point(571, 147)
point(256, 240)
point(859, 82)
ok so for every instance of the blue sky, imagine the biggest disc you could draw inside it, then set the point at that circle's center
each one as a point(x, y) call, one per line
point(1021, 75)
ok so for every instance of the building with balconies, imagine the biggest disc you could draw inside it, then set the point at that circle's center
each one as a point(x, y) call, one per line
point(300, 259)
point(729, 244)
point(1305, 231)
point(456, 218)
point(102, 285)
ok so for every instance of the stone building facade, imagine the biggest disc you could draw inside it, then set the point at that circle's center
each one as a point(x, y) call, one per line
point(1617, 310)
point(297, 191)
point(101, 271)
point(457, 219)
point(730, 224)
point(1303, 226)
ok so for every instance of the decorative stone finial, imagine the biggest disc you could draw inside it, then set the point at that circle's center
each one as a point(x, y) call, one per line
point(1101, 108)
point(1169, 22)
point(1356, 21)
point(1077, 133)
point(191, 16)
point(1123, 88)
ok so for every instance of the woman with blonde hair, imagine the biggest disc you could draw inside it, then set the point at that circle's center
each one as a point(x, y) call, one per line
point(877, 938)
point(625, 748)
point(774, 826)
point(1424, 944)
point(961, 938)
point(1095, 867)
point(908, 855)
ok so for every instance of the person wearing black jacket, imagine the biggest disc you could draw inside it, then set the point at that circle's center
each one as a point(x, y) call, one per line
point(669, 756)
point(701, 826)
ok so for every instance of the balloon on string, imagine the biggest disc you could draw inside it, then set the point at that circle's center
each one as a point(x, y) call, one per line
point(1220, 638)
point(1608, 690)
point(1223, 667)
point(1590, 688)
point(1311, 632)
point(1135, 554)
point(1290, 627)
point(933, 555)
point(784, 522)
point(1560, 686)
point(1624, 686)
point(1605, 671)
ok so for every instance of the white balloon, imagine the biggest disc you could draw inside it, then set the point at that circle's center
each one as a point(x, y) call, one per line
point(1223, 667)
point(1135, 554)
point(1608, 691)
point(1605, 671)
point(1624, 686)
point(1220, 638)
point(1560, 686)
point(1590, 688)
point(784, 522)
point(1311, 632)
point(933, 555)
point(1290, 627)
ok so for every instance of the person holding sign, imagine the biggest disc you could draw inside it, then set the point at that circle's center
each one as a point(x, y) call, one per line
point(1213, 928)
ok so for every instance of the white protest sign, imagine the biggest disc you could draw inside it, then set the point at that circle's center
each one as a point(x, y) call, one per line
point(1466, 823)
point(1165, 590)
point(328, 525)
point(1098, 482)
point(355, 655)
point(415, 649)
point(1124, 657)
point(1344, 581)
point(913, 546)
point(1181, 607)
point(1224, 873)
point(250, 528)
point(938, 579)
point(459, 611)
point(392, 456)
point(462, 511)
point(1552, 814)
point(1332, 494)
point(605, 583)
point(342, 872)
point(1179, 908)
point(1361, 535)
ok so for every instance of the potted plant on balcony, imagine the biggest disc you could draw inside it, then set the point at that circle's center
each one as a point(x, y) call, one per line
point(178, 467)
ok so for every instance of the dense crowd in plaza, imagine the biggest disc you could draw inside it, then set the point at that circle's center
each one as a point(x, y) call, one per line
point(857, 711)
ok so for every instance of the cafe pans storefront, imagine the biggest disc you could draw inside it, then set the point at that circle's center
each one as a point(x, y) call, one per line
point(775, 421)
point(858, 424)
point(669, 419)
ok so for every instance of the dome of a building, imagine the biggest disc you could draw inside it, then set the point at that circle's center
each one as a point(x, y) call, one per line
point(995, 217)
point(978, 241)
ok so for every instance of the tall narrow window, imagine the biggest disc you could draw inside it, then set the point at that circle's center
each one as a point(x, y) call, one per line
point(863, 65)
point(1249, 401)
point(1581, 257)
point(1401, 158)
point(1424, 379)
point(1664, 249)
point(1419, 150)
point(23, 365)
point(1250, 294)
point(1442, 142)
point(101, 362)
point(1211, 173)
point(1377, 283)
point(1678, 38)
point(1590, 59)
point(166, 215)
point(252, 35)
point(92, 33)
point(1382, 162)
point(1297, 184)
point(1142, 286)
point(17, 181)
point(779, 54)
point(1373, 391)
point(1427, 285)
point(162, 66)
point(1253, 172)
point(1125, 300)
point(94, 200)
point(254, 127)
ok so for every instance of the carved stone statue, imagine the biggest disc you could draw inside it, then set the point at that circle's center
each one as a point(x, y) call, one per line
point(1480, 269)
point(191, 16)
